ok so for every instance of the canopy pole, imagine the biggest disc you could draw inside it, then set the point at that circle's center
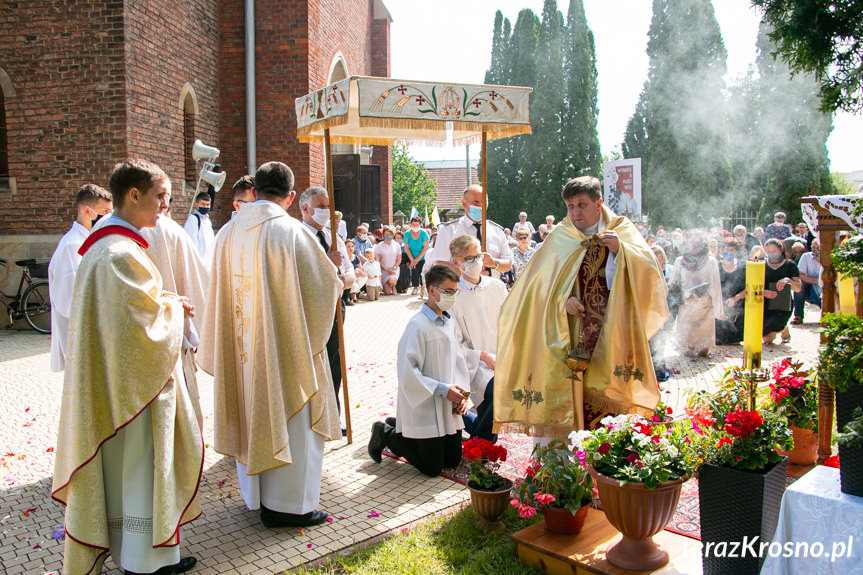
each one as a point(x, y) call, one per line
point(484, 169)
point(328, 155)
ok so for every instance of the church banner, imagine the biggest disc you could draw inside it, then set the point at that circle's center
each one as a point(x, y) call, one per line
point(622, 187)
point(386, 111)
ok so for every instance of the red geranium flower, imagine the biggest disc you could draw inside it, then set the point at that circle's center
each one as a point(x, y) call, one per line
point(740, 423)
point(832, 461)
point(642, 427)
point(723, 441)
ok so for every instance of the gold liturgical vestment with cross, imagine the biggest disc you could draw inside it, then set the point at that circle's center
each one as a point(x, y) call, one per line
point(125, 337)
point(534, 389)
point(270, 307)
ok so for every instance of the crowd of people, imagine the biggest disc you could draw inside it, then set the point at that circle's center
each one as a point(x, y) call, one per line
point(141, 303)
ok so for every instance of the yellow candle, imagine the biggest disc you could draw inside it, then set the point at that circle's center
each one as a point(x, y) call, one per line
point(846, 294)
point(753, 320)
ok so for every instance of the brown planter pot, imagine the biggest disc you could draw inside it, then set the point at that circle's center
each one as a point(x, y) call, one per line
point(562, 520)
point(805, 450)
point(490, 505)
point(638, 513)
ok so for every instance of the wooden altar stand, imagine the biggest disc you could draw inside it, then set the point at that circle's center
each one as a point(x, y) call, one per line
point(584, 553)
point(829, 225)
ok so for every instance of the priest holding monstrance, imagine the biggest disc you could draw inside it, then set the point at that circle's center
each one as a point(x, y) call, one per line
point(574, 331)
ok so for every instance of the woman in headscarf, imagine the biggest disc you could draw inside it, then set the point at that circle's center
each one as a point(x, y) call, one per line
point(697, 289)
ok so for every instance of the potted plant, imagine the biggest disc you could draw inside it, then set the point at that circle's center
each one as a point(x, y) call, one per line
point(851, 455)
point(840, 362)
point(795, 398)
point(741, 482)
point(489, 491)
point(558, 485)
point(639, 468)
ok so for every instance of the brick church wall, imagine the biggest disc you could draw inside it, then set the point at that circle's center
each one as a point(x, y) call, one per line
point(66, 121)
point(170, 44)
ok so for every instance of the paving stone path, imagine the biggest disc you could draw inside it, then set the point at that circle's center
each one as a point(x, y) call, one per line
point(365, 500)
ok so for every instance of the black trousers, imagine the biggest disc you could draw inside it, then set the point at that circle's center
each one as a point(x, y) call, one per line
point(334, 356)
point(417, 273)
point(430, 456)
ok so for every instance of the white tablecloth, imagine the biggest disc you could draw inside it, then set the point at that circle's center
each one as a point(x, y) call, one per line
point(813, 511)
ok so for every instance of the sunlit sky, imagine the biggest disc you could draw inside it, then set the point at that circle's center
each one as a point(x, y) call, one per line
point(450, 41)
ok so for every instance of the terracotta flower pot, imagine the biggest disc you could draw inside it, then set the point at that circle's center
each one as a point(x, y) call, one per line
point(562, 520)
point(805, 450)
point(638, 513)
point(490, 505)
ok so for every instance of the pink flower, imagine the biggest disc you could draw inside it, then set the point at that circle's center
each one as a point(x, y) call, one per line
point(582, 457)
point(515, 503)
point(545, 498)
point(526, 511)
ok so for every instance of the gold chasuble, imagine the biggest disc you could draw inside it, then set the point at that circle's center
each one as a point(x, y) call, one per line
point(125, 336)
point(270, 307)
point(534, 391)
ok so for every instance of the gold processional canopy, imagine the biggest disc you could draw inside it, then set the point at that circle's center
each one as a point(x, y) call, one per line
point(384, 111)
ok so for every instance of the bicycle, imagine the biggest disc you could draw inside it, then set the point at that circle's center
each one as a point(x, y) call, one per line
point(33, 303)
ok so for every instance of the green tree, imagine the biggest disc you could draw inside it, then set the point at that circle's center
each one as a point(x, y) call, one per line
point(824, 38)
point(556, 58)
point(580, 139)
point(841, 184)
point(635, 137)
point(792, 135)
point(688, 175)
point(412, 186)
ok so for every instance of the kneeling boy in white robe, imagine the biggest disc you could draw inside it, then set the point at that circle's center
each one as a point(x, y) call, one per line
point(476, 312)
point(434, 374)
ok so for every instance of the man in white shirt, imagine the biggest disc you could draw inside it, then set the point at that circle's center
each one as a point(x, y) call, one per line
point(434, 373)
point(498, 255)
point(476, 313)
point(522, 223)
point(91, 203)
point(810, 278)
point(315, 209)
point(198, 224)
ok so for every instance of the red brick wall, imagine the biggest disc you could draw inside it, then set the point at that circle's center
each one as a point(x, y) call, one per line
point(66, 125)
point(169, 44)
point(382, 155)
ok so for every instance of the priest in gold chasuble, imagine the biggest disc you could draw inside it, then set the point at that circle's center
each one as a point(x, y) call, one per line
point(270, 306)
point(593, 290)
point(129, 447)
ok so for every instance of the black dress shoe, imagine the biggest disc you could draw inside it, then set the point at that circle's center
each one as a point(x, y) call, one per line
point(344, 431)
point(391, 421)
point(378, 440)
point(272, 518)
point(185, 564)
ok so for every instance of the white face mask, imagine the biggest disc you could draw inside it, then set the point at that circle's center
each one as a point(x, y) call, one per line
point(321, 216)
point(473, 269)
point(446, 301)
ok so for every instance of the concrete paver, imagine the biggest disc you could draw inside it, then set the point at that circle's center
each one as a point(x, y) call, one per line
point(228, 538)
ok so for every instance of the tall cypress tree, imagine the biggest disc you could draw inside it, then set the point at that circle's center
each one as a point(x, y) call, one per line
point(791, 155)
point(688, 175)
point(580, 137)
point(635, 137)
point(514, 182)
point(546, 154)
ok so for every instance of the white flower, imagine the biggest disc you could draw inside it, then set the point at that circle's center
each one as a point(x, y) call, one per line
point(577, 438)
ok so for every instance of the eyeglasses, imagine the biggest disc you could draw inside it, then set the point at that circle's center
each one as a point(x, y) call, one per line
point(241, 201)
point(470, 259)
point(447, 291)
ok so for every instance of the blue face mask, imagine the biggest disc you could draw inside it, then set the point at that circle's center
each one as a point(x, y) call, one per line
point(388, 238)
point(475, 213)
point(660, 241)
point(728, 256)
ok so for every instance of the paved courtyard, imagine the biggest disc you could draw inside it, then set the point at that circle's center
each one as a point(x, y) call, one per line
point(365, 500)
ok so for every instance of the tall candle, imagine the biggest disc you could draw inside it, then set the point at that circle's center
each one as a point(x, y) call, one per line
point(753, 320)
point(846, 294)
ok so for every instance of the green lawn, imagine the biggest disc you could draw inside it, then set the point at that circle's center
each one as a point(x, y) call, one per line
point(444, 545)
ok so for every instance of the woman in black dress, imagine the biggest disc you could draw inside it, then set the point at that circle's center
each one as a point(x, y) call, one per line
point(780, 274)
point(732, 276)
